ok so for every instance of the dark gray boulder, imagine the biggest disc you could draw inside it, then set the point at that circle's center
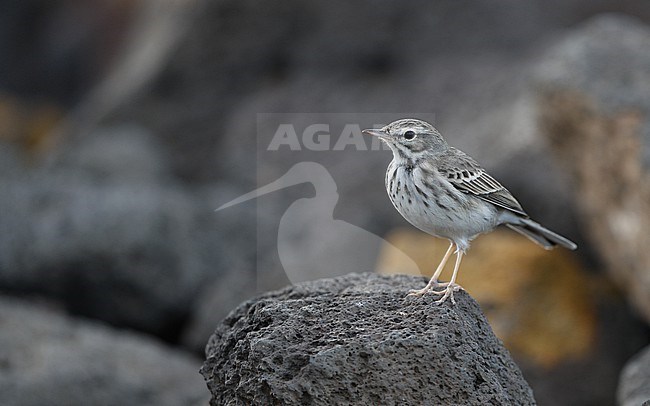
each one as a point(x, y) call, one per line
point(106, 231)
point(106, 250)
point(48, 358)
point(356, 339)
point(634, 384)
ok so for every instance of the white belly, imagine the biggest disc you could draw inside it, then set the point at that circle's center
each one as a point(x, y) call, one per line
point(436, 207)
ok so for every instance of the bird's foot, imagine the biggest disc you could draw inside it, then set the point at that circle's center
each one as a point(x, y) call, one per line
point(429, 288)
point(448, 292)
point(418, 292)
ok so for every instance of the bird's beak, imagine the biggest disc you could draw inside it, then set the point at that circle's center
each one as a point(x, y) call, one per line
point(374, 131)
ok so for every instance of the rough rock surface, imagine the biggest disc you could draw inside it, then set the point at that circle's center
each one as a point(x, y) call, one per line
point(356, 339)
point(634, 385)
point(51, 359)
point(596, 115)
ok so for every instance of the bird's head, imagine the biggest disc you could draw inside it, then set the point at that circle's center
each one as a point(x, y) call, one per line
point(410, 138)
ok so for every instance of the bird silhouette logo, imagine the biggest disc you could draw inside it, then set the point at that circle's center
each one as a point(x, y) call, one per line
point(311, 243)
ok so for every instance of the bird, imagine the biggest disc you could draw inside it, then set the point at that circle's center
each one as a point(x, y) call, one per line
point(444, 192)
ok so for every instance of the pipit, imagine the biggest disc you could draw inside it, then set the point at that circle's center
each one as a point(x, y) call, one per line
point(444, 192)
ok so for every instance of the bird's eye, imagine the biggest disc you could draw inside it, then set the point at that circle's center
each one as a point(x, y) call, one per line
point(409, 135)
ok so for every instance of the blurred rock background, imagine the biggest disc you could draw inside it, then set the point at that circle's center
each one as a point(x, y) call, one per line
point(124, 124)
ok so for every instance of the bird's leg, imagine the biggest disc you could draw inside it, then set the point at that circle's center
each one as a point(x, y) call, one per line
point(452, 286)
point(434, 279)
point(433, 282)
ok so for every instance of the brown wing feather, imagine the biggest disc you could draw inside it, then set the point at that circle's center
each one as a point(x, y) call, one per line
point(468, 177)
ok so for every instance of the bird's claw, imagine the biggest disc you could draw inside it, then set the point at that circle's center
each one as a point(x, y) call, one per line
point(429, 288)
point(448, 292)
point(418, 292)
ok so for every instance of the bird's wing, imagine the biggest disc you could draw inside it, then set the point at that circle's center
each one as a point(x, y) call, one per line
point(466, 175)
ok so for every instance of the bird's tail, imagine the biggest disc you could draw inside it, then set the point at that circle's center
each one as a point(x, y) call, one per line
point(540, 235)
